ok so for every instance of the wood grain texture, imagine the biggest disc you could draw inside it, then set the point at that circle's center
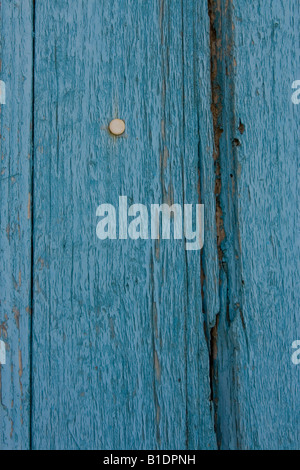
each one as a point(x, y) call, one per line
point(257, 384)
point(141, 344)
point(120, 358)
point(15, 221)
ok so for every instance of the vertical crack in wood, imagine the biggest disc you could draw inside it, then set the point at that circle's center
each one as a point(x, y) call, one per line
point(226, 144)
point(154, 329)
point(185, 253)
point(217, 114)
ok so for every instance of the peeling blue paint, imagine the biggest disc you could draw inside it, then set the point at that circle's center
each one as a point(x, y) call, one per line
point(124, 345)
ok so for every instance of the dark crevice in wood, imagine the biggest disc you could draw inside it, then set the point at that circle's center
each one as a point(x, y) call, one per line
point(213, 371)
point(217, 112)
point(227, 140)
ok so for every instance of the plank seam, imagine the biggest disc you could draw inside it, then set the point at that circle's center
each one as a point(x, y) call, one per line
point(185, 253)
point(216, 111)
point(226, 144)
point(32, 229)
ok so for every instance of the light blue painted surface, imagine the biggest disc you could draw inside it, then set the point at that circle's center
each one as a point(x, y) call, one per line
point(258, 385)
point(142, 345)
point(120, 359)
point(15, 221)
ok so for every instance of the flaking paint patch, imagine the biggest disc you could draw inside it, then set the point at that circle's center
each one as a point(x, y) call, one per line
point(3, 330)
point(16, 313)
point(157, 367)
point(8, 232)
point(20, 371)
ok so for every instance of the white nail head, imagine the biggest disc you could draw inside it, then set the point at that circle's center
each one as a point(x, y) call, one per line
point(117, 127)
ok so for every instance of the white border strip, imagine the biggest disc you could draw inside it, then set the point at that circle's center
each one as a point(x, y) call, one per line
point(2, 93)
point(2, 353)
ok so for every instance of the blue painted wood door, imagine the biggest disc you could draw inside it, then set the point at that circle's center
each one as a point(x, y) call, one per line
point(141, 344)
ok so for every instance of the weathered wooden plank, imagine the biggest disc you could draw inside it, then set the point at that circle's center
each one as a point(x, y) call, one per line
point(15, 221)
point(257, 384)
point(120, 358)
